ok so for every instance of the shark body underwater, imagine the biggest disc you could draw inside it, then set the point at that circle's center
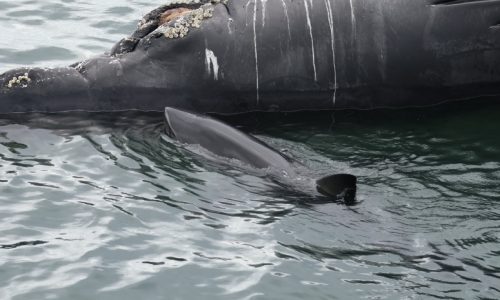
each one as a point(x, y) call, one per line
point(238, 56)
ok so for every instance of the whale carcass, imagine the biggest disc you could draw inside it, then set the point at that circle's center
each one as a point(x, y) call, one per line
point(233, 56)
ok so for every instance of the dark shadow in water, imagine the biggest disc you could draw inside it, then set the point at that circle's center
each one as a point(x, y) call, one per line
point(326, 121)
point(22, 244)
point(269, 122)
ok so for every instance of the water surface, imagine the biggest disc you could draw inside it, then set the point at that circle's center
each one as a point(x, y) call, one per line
point(104, 206)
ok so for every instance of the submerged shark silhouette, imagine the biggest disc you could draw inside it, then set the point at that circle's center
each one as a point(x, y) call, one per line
point(226, 141)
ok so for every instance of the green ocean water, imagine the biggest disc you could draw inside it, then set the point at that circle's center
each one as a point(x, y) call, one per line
point(104, 206)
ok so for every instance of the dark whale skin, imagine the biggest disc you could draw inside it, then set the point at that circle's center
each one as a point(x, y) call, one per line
point(283, 55)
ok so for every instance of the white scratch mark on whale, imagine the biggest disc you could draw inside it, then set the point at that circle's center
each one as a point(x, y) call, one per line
point(212, 63)
point(230, 25)
point(353, 19)
point(255, 49)
point(264, 6)
point(332, 37)
point(312, 40)
point(287, 20)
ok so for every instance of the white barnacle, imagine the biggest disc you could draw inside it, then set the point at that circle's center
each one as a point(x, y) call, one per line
point(18, 80)
point(192, 19)
point(208, 13)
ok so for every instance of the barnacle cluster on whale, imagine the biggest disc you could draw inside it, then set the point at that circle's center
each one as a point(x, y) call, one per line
point(181, 26)
point(173, 20)
point(21, 80)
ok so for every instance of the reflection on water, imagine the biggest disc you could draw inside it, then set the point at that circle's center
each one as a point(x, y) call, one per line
point(104, 206)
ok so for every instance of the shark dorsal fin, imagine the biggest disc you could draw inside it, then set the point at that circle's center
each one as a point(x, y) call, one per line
point(338, 186)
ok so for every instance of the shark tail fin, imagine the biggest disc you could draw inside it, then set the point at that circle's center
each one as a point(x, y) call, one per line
point(338, 187)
